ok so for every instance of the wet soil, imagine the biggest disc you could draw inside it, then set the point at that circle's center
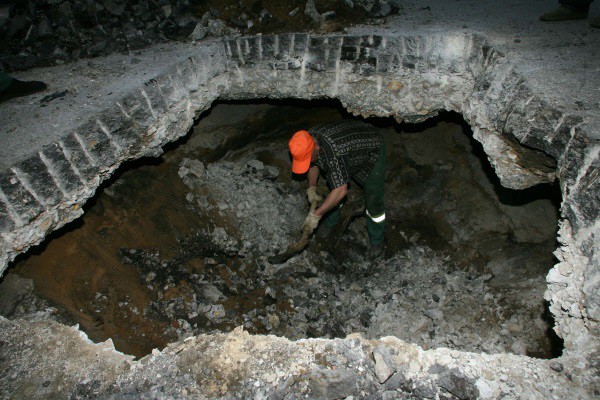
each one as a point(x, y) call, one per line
point(143, 267)
point(81, 270)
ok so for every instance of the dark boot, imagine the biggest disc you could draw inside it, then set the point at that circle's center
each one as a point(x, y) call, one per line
point(563, 13)
point(19, 88)
point(595, 23)
point(375, 251)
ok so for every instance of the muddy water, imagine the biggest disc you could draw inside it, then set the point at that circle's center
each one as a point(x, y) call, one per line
point(141, 254)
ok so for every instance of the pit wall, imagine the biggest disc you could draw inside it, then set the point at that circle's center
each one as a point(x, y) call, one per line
point(527, 140)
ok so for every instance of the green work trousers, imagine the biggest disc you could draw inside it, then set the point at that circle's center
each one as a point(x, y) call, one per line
point(5, 81)
point(374, 188)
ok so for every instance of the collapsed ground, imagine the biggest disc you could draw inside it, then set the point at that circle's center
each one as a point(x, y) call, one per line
point(179, 248)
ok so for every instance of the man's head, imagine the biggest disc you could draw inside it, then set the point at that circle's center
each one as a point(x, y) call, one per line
point(301, 146)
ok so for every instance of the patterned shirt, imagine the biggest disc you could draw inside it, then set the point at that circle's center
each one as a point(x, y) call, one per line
point(348, 149)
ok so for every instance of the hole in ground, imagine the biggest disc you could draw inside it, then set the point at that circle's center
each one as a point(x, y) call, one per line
point(178, 246)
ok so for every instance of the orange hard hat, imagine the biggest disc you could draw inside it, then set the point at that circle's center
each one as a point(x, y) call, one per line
point(301, 147)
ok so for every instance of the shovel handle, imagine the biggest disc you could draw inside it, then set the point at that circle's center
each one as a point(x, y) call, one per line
point(313, 206)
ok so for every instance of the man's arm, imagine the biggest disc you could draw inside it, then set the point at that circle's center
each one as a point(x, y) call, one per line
point(332, 200)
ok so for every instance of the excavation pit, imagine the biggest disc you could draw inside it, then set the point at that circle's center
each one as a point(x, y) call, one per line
point(499, 68)
point(177, 247)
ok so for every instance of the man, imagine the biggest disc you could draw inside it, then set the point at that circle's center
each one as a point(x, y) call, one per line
point(344, 150)
point(571, 9)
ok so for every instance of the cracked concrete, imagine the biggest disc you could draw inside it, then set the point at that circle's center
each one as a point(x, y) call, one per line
point(520, 83)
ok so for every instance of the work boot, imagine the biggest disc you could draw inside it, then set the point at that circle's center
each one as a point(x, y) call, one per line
point(375, 251)
point(563, 13)
point(595, 23)
point(19, 88)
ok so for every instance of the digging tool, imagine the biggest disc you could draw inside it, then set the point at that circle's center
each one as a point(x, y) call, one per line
point(353, 208)
point(296, 247)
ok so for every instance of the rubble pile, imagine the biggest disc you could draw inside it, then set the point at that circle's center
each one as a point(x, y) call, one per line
point(182, 250)
point(215, 277)
point(221, 278)
point(265, 212)
point(45, 32)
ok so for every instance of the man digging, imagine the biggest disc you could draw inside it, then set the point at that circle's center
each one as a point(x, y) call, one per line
point(343, 150)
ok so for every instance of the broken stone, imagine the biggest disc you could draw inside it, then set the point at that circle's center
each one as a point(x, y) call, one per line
point(215, 312)
point(199, 32)
point(328, 15)
point(272, 172)
point(217, 27)
point(311, 11)
point(113, 8)
point(317, 287)
point(12, 291)
point(219, 233)
point(457, 384)
point(380, 9)
point(166, 11)
point(396, 5)
point(65, 11)
point(397, 381)
point(487, 389)
point(382, 370)
point(332, 384)
point(434, 314)
point(212, 294)
point(265, 16)
point(424, 391)
point(256, 164)
point(274, 320)
point(44, 29)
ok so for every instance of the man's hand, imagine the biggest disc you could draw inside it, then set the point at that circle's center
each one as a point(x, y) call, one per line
point(311, 222)
point(313, 196)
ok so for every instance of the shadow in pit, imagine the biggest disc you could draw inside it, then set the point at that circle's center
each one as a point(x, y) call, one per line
point(276, 124)
point(89, 204)
point(512, 197)
point(556, 345)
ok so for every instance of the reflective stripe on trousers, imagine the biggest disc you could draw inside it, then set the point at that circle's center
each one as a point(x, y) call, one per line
point(374, 199)
point(377, 219)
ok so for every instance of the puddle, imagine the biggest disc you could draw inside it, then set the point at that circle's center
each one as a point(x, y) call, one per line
point(176, 248)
